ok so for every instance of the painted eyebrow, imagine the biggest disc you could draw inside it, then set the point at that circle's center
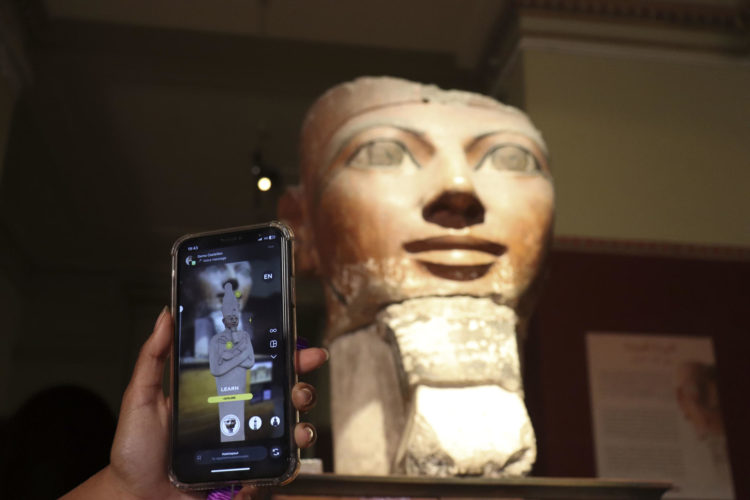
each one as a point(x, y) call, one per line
point(479, 138)
point(417, 133)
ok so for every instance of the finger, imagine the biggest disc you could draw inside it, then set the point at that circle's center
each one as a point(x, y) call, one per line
point(305, 435)
point(149, 367)
point(247, 493)
point(307, 360)
point(304, 396)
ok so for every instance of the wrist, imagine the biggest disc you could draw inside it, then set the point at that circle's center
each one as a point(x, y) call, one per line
point(116, 485)
point(103, 484)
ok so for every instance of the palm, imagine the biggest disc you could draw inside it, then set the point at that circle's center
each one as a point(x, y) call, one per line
point(138, 458)
point(135, 459)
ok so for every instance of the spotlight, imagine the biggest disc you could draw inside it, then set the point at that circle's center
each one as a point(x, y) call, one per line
point(265, 175)
point(264, 183)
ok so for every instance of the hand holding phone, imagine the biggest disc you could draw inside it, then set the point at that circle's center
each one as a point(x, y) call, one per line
point(140, 449)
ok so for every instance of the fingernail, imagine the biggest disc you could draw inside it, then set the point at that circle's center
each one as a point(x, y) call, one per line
point(162, 315)
point(311, 433)
point(307, 395)
point(328, 353)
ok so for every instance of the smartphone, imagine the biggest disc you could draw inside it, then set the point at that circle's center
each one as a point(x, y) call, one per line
point(233, 358)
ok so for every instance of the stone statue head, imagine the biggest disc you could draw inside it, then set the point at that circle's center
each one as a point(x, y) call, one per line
point(230, 308)
point(408, 190)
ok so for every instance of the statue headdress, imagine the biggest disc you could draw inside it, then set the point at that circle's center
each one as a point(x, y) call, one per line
point(229, 305)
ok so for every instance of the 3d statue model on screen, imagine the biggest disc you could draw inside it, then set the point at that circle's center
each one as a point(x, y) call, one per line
point(427, 214)
point(230, 356)
point(211, 283)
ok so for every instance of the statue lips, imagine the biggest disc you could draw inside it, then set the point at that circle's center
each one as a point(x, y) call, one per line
point(459, 258)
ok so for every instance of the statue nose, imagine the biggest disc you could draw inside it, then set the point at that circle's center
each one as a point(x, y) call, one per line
point(455, 210)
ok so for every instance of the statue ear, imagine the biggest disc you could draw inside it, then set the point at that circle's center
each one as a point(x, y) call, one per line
point(292, 209)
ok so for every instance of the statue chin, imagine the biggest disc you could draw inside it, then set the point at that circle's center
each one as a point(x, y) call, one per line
point(433, 388)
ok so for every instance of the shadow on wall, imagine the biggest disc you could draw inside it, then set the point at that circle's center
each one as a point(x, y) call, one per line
point(56, 440)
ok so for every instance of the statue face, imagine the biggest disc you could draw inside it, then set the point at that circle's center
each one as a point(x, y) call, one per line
point(231, 321)
point(430, 199)
point(213, 278)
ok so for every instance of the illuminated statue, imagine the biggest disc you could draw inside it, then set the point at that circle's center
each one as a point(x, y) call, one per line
point(230, 356)
point(427, 214)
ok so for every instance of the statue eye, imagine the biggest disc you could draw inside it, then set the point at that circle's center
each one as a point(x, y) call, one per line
point(512, 158)
point(379, 153)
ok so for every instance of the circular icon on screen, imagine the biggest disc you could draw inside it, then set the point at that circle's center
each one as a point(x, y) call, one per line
point(230, 425)
point(275, 421)
point(255, 422)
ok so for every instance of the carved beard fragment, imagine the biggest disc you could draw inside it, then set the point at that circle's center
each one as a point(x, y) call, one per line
point(453, 404)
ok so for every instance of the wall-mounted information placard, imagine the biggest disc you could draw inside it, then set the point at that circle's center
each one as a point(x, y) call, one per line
point(656, 414)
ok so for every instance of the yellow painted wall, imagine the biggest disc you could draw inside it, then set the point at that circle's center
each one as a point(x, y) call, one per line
point(645, 145)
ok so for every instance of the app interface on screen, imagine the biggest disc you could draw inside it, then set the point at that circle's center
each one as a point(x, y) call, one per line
point(231, 378)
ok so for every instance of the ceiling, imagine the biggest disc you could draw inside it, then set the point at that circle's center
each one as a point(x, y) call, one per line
point(139, 119)
point(441, 26)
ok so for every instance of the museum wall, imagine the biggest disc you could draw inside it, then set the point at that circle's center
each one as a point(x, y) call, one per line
point(649, 154)
point(632, 294)
point(11, 310)
point(646, 144)
point(73, 330)
point(7, 99)
point(11, 299)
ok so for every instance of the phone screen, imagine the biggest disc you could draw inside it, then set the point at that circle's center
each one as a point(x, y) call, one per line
point(233, 371)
